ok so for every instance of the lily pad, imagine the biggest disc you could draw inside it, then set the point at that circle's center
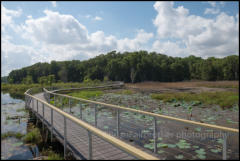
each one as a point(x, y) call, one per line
point(182, 144)
point(216, 150)
point(200, 151)
point(172, 145)
point(201, 156)
point(161, 151)
point(179, 156)
point(162, 145)
point(17, 144)
point(198, 129)
point(149, 146)
point(220, 141)
point(105, 127)
point(195, 146)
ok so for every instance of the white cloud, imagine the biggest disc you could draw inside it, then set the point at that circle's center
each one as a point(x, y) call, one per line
point(212, 11)
point(55, 28)
point(88, 16)
point(54, 3)
point(7, 16)
point(97, 18)
point(200, 36)
point(56, 36)
point(169, 48)
point(212, 3)
point(15, 56)
point(137, 43)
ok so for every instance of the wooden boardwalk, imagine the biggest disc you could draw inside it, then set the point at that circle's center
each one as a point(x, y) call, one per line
point(77, 137)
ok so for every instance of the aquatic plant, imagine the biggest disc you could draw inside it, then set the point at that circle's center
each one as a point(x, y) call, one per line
point(33, 137)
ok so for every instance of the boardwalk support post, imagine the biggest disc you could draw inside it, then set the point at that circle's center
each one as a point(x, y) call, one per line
point(25, 101)
point(89, 145)
point(65, 137)
point(43, 116)
point(155, 134)
point(52, 124)
point(224, 154)
point(118, 123)
point(54, 100)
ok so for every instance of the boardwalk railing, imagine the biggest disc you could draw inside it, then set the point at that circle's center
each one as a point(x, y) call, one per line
point(225, 130)
point(31, 100)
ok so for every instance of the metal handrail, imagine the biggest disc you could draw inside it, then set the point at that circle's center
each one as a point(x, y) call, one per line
point(147, 113)
point(115, 141)
point(154, 115)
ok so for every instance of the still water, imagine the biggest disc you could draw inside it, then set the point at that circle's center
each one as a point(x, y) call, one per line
point(14, 119)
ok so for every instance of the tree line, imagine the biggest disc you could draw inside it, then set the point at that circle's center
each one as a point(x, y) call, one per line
point(131, 67)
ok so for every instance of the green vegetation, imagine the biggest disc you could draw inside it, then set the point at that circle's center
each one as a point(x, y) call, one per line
point(33, 137)
point(17, 135)
point(86, 94)
point(17, 90)
point(51, 155)
point(135, 66)
point(223, 99)
point(21, 109)
point(54, 156)
point(220, 86)
point(127, 92)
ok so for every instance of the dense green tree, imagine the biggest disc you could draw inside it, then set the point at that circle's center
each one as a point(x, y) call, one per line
point(135, 66)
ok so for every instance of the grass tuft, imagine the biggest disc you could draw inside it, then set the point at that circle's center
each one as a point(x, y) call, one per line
point(223, 99)
point(33, 136)
point(17, 135)
point(86, 94)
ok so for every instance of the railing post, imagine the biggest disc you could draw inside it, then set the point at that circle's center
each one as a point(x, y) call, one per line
point(69, 103)
point(65, 136)
point(80, 111)
point(155, 134)
point(95, 114)
point(37, 106)
point(54, 100)
point(49, 98)
point(25, 98)
point(51, 124)
point(62, 102)
point(224, 150)
point(89, 145)
point(43, 116)
point(118, 123)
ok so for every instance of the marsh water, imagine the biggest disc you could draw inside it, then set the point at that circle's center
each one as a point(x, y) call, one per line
point(15, 119)
point(175, 140)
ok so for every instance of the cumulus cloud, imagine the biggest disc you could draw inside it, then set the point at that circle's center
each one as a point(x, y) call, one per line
point(200, 36)
point(212, 3)
point(97, 18)
point(141, 38)
point(212, 11)
point(7, 16)
point(55, 28)
point(54, 3)
point(57, 36)
point(15, 56)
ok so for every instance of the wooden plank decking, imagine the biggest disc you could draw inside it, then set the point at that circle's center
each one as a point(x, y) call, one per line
point(77, 137)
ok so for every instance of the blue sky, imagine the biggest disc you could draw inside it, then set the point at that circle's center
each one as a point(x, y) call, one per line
point(45, 31)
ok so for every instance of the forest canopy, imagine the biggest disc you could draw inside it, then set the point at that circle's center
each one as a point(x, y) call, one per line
point(132, 67)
